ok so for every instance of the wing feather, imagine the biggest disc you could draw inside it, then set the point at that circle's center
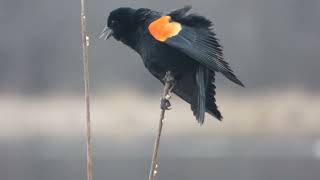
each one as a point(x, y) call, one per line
point(202, 46)
point(192, 34)
point(180, 13)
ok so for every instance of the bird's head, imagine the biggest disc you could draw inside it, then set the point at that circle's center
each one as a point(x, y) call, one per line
point(120, 22)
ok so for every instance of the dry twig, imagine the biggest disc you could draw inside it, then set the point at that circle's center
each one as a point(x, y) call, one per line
point(85, 44)
point(166, 95)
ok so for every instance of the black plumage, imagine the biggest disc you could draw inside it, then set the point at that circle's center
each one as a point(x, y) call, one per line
point(193, 55)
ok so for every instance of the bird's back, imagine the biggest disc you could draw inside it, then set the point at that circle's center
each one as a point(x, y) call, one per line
point(159, 58)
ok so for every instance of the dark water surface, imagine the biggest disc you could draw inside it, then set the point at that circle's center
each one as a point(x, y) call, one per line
point(190, 159)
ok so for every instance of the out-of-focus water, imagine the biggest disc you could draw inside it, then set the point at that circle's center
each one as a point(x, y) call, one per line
point(181, 158)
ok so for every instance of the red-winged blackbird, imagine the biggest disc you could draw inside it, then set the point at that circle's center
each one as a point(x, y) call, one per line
point(178, 42)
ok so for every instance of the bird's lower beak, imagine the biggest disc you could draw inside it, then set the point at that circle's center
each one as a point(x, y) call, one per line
point(106, 33)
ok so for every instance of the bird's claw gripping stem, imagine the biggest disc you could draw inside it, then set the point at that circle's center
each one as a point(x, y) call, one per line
point(165, 103)
point(169, 82)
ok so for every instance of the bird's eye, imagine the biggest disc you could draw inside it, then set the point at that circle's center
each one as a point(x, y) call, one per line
point(111, 23)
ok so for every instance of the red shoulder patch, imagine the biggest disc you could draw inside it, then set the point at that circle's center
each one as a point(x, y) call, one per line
point(163, 28)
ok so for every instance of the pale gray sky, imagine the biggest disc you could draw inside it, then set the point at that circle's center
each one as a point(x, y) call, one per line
point(268, 43)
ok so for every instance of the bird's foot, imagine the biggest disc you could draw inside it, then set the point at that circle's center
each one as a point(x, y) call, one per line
point(165, 103)
point(169, 85)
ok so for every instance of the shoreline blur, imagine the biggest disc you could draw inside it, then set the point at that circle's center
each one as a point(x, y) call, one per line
point(130, 113)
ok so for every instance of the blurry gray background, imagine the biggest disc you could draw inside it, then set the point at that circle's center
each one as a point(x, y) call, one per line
point(269, 44)
point(271, 128)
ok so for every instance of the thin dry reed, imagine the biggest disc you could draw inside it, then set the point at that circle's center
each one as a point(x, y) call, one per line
point(166, 91)
point(85, 44)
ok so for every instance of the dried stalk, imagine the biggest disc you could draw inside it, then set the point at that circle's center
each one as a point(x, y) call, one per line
point(85, 44)
point(167, 88)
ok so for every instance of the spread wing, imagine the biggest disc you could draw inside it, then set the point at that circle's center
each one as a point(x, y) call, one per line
point(192, 34)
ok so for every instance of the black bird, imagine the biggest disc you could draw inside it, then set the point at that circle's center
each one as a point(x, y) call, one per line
point(178, 42)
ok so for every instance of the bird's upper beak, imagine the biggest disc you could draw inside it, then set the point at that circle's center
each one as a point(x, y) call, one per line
point(106, 33)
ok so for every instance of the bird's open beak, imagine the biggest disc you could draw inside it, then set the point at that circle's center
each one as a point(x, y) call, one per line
point(106, 33)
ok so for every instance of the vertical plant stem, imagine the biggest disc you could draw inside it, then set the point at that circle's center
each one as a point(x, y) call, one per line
point(85, 44)
point(154, 160)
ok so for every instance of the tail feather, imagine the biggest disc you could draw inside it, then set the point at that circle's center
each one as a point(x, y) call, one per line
point(199, 96)
point(212, 108)
point(201, 99)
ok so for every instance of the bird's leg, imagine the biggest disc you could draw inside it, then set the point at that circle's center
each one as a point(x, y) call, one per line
point(169, 85)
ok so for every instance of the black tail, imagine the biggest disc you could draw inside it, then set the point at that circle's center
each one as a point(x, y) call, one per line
point(203, 99)
point(212, 108)
point(198, 104)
